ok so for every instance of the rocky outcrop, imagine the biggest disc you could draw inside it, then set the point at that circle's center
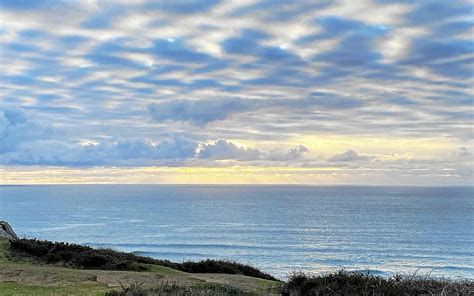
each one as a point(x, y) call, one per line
point(6, 231)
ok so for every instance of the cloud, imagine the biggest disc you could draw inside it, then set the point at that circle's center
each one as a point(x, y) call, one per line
point(202, 112)
point(14, 116)
point(357, 45)
point(464, 152)
point(16, 128)
point(177, 150)
point(222, 149)
point(53, 153)
point(27, 141)
point(127, 152)
point(198, 111)
point(292, 154)
point(348, 156)
point(226, 150)
point(148, 81)
point(447, 58)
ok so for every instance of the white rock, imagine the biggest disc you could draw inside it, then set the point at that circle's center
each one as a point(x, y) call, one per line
point(6, 231)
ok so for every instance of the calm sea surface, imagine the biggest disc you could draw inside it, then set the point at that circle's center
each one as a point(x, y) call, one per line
point(276, 228)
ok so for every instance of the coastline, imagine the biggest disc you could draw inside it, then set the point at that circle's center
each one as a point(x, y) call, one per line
point(46, 268)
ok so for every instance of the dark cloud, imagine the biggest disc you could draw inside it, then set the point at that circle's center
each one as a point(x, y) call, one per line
point(204, 111)
point(199, 111)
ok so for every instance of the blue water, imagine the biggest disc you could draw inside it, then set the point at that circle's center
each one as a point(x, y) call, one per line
point(276, 228)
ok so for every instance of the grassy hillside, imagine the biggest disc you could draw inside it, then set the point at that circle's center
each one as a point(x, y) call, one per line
point(26, 275)
point(32, 267)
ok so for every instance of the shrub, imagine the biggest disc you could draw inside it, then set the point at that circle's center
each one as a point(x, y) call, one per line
point(167, 289)
point(220, 266)
point(78, 256)
point(344, 283)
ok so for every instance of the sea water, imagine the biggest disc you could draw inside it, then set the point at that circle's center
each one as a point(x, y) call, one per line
point(279, 229)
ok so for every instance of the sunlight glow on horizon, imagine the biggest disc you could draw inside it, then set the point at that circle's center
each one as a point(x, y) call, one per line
point(224, 175)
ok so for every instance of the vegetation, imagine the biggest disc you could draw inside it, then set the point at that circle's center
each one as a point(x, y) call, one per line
point(77, 256)
point(173, 289)
point(35, 267)
point(83, 257)
point(222, 266)
point(23, 274)
point(345, 283)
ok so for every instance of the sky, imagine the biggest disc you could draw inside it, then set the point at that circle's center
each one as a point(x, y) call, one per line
point(227, 92)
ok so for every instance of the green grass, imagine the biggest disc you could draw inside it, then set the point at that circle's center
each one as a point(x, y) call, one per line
point(18, 289)
point(3, 250)
point(164, 270)
point(171, 289)
point(24, 276)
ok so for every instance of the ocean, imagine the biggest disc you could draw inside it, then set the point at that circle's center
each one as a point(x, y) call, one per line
point(279, 229)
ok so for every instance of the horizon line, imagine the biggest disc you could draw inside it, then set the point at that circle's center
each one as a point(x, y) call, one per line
point(233, 184)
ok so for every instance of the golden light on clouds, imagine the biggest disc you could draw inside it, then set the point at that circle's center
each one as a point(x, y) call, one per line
point(378, 160)
point(330, 144)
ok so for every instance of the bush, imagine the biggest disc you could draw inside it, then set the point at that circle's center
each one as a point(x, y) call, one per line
point(220, 266)
point(78, 256)
point(344, 283)
point(167, 289)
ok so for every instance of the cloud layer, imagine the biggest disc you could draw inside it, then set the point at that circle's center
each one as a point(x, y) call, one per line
point(224, 83)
